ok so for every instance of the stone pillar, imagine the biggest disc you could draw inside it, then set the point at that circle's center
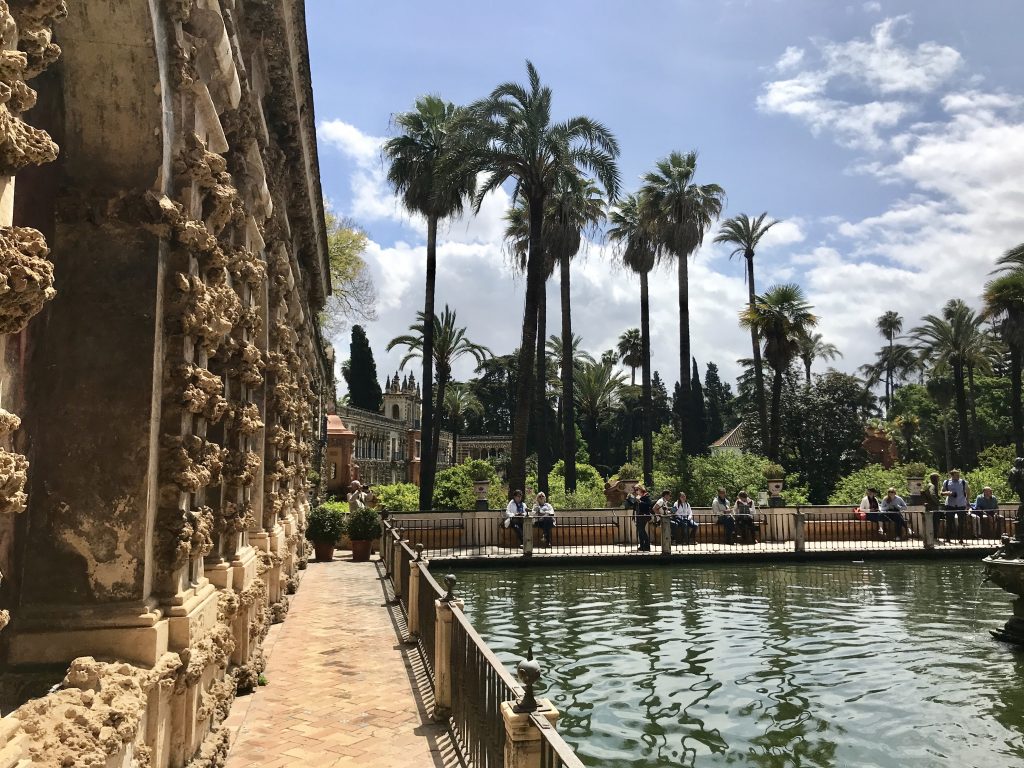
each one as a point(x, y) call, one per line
point(522, 736)
point(927, 530)
point(666, 534)
point(413, 618)
point(443, 657)
point(527, 536)
point(799, 536)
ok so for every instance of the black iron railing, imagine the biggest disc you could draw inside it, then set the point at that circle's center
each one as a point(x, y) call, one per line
point(554, 752)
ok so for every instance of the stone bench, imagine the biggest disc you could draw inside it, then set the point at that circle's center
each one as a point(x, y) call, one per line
point(444, 534)
point(567, 533)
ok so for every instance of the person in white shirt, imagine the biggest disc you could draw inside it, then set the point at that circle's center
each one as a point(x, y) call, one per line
point(514, 515)
point(544, 517)
point(893, 506)
point(955, 491)
point(682, 520)
point(745, 515)
point(721, 508)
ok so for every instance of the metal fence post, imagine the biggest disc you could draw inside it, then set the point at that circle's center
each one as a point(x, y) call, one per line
point(799, 536)
point(666, 535)
point(443, 650)
point(524, 720)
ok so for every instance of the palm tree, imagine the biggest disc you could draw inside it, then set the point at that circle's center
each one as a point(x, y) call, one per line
point(890, 325)
point(1004, 304)
point(813, 348)
point(631, 352)
point(554, 351)
point(516, 139)
point(746, 234)
point(682, 212)
point(598, 388)
point(459, 402)
point(450, 344)
point(782, 316)
point(633, 231)
point(954, 341)
point(425, 170)
point(895, 363)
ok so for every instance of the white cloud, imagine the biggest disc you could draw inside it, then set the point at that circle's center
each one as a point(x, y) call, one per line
point(790, 58)
point(872, 7)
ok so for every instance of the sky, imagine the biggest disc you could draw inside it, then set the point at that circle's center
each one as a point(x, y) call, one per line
point(888, 138)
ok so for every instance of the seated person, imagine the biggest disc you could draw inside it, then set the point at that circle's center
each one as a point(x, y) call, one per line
point(514, 515)
point(682, 520)
point(745, 516)
point(892, 508)
point(986, 505)
point(722, 510)
point(544, 518)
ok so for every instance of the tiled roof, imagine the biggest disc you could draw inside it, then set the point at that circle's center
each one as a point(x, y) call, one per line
point(731, 439)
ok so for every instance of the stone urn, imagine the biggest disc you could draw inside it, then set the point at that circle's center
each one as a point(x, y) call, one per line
point(1005, 568)
point(775, 492)
point(481, 488)
point(916, 487)
point(629, 485)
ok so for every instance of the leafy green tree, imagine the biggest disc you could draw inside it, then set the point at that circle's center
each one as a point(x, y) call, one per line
point(682, 212)
point(449, 344)
point(813, 348)
point(890, 325)
point(661, 406)
point(360, 373)
point(495, 388)
point(850, 489)
point(735, 471)
point(400, 497)
point(745, 234)
point(597, 398)
point(781, 316)
point(1004, 304)
point(721, 406)
point(631, 351)
point(352, 292)
point(426, 169)
point(632, 231)
point(516, 139)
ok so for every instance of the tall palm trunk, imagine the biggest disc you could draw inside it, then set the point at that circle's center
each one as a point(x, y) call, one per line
point(527, 347)
point(1015, 405)
point(807, 371)
point(755, 343)
point(946, 441)
point(568, 386)
point(443, 377)
point(889, 380)
point(773, 435)
point(964, 453)
point(428, 456)
point(645, 339)
point(684, 363)
point(540, 403)
point(975, 438)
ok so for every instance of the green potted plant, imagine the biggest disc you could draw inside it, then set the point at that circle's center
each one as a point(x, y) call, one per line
point(324, 526)
point(363, 526)
point(481, 473)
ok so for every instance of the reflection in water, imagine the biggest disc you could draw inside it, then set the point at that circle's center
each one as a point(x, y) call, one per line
point(879, 664)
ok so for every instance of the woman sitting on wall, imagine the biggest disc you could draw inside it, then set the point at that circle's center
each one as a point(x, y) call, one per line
point(515, 513)
point(544, 517)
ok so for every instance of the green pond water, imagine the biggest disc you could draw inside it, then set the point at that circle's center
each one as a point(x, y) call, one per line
point(858, 664)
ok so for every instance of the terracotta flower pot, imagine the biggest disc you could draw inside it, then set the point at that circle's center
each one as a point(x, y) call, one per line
point(324, 551)
point(361, 551)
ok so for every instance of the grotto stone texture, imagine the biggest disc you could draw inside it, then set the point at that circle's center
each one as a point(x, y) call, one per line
point(162, 382)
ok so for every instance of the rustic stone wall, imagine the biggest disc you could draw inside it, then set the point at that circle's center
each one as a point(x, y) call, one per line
point(177, 380)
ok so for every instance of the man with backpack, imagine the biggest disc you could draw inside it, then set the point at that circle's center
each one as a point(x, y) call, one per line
point(954, 491)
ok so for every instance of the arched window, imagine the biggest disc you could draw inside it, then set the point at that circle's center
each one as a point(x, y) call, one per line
point(396, 414)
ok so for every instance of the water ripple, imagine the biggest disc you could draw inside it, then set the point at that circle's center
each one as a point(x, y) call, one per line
point(777, 665)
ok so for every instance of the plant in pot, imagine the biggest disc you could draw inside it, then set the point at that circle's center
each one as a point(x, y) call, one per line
point(481, 473)
point(324, 526)
point(363, 527)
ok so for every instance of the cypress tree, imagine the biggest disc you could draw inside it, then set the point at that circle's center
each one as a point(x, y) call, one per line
point(361, 374)
point(721, 405)
point(698, 416)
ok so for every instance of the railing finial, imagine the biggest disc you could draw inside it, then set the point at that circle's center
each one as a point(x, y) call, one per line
point(449, 583)
point(419, 553)
point(528, 672)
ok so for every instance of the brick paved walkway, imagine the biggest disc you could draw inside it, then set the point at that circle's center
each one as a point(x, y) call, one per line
point(342, 689)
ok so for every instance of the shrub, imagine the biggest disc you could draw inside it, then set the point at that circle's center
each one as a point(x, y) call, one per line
point(996, 477)
point(589, 493)
point(735, 471)
point(850, 489)
point(336, 505)
point(400, 497)
point(363, 525)
point(629, 471)
point(997, 457)
point(479, 470)
point(453, 490)
point(324, 523)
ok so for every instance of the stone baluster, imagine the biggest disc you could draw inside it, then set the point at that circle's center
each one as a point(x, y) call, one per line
point(443, 650)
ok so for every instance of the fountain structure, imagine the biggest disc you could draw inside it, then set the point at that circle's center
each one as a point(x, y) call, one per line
point(1005, 567)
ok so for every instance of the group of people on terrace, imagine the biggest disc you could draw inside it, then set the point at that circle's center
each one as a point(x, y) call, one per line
point(542, 512)
point(739, 519)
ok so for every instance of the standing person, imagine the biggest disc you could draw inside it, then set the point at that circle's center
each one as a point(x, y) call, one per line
point(892, 507)
point(357, 497)
point(682, 519)
point(986, 505)
point(642, 513)
point(932, 503)
point(869, 506)
point(544, 517)
point(745, 512)
point(663, 509)
point(721, 508)
point(954, 490)
point(515, 513)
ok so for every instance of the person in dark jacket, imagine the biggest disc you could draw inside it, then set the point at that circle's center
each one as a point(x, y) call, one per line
point(643, 512)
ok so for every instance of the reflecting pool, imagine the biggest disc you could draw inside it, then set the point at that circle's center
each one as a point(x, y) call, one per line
point(858, 664)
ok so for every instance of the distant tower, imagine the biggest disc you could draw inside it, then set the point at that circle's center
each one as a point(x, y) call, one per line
point(402, 401)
